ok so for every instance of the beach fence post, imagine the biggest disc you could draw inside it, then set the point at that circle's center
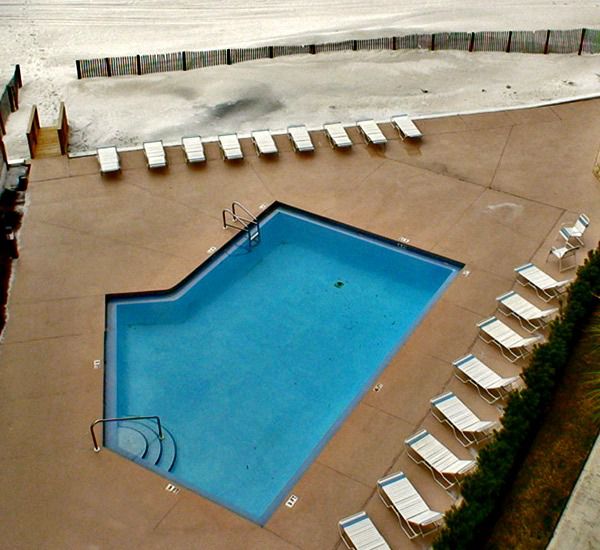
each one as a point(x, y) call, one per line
point(395, 43)
point(17, 77)
point(472, 42)
point(271, 52)
point(581, 41)
point(138, 63)
point(509, 41)
point(432, 42)
point(78, 66)
point(228, 56)
point(312, 49)
point(183, 61)
point(108, 68)
point(547, 41)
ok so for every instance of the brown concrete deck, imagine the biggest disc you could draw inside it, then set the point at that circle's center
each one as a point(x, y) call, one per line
point(490, 190)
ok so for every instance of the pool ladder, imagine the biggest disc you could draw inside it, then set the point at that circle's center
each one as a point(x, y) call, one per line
point(246, 222)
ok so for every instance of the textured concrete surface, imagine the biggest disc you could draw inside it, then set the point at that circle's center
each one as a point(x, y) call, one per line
point(578, 526)
point(490, 190)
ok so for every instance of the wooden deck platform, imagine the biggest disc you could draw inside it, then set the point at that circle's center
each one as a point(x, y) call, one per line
point(48, 144)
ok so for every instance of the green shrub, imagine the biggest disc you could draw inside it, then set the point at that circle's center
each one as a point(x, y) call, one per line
point(469, 524)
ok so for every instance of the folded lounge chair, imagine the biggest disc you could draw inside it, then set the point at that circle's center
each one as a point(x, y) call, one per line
point(445, 466)
point(465, 424)
point(406, 127)
point(415, 517)
point(489, 384)
point(300, 139)
point(512, 345)
point(337, 135)
point(264, 142)
point(155, 154)
point(230, 147)
point(576, 230)
point(371, 132)
point(108, 158)
point(359, 533)
point(529, 316)
point(545, 286)
point(194, 149)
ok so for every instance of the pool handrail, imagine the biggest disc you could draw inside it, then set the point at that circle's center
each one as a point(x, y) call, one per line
point(120, 419)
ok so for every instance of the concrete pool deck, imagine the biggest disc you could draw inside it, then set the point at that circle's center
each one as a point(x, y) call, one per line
point(490, 190)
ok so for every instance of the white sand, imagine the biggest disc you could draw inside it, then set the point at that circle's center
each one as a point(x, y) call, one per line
point(47, 37)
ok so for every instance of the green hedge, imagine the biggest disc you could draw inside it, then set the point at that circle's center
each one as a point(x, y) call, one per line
point(469, 524)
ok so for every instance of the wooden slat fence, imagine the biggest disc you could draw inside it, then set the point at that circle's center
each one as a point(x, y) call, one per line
point(280, 51)
point(375, 44)
point(239, 55)
point(548, 41)
point(210, 58)
point(345, 45)
point(490, 41)
point(452, 40)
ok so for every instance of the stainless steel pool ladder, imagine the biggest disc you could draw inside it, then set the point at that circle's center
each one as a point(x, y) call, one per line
point(104, 420)
point(247, 223)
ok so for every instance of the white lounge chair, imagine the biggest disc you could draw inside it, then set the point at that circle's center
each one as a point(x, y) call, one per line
point(155, 154)
point(359, 533)
point(337, 135)
point(564, 252)
point(529, 315)
point(445, 466)
point(468, 428)
point(193, 148)
point(264, 142)
point(300, 139)
point(545, 286)
point(108, 158)
point(371, 132)
point(406, 127)
point(230, 147)
point(494, 331)
point(576, 230)
point(415, 517)
point(489, 384)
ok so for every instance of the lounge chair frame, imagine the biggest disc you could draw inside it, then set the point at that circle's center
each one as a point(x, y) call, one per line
point(545, 286)
point(577, 229)
point(230, 147)
point(193, 149)
point(155, 154)
point(511, 344)
point(530, 317)
point(430, 450)
point(300, 138)
point(471, 370)
point(415, 517)
point(264, 144)
point(108, 159)
point(468, 428)
point(406, 127)
point(371, 132)
point(363, 536)
point(337, 135)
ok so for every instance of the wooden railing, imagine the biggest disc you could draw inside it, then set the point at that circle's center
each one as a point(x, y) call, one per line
point(33, 129)
point(63, 129)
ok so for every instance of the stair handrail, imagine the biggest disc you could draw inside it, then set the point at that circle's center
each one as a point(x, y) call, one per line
point(252, 216)
point(119, 419)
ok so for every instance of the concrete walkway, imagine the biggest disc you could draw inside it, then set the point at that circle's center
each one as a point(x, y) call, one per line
point(490, 190)
point(579, 525)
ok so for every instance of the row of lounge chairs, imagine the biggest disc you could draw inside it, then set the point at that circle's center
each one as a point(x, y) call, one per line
point(263, 141)
point(396, 491)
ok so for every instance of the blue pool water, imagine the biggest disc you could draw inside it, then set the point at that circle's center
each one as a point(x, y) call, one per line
point(253, 362)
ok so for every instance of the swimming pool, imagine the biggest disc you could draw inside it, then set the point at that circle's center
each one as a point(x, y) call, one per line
point(255, 359)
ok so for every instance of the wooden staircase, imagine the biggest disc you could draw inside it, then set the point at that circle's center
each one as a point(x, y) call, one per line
point(50, 141)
